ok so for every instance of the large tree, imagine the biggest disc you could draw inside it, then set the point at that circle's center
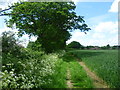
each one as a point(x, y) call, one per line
point(50, 21)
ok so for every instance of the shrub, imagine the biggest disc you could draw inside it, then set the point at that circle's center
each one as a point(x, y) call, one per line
point(33, 71)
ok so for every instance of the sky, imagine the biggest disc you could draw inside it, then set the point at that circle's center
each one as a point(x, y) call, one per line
point(101, 16)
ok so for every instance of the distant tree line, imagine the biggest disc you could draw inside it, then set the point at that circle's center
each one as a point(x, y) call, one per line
point(77, 45)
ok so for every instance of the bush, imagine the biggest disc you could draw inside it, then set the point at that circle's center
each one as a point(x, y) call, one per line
point(10, 45)
point(28, 68)
point(33, 71)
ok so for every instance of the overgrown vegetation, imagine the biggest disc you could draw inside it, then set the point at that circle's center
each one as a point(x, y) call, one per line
point(30, 68)
point(35, 72)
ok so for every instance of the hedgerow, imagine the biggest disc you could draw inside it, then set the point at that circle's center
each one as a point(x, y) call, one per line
point(34, 70)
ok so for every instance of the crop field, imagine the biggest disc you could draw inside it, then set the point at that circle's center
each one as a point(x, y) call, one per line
point(103, 62)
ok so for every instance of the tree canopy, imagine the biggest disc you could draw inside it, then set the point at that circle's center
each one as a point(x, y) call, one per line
point(50, 21)
point(75, 44)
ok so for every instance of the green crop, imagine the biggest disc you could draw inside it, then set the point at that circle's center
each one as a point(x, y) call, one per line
point(103, 62)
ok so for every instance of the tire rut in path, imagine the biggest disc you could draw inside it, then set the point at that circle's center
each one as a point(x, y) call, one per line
point(97, 82)
point(69, 83)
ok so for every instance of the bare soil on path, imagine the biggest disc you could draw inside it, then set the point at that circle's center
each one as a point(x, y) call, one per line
point(97, 82)
point(69, 83)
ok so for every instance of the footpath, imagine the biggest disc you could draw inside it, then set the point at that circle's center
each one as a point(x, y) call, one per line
point(97, 81)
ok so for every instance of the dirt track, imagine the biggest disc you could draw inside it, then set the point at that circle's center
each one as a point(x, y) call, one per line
point(97, 82)
point(69, 84)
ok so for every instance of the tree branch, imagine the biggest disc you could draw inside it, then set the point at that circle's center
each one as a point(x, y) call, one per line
point(9, 9)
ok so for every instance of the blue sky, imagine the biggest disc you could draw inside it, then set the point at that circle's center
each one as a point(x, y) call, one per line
point(101, 17)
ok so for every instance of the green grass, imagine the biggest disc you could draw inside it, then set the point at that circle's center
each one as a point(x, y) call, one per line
point(59, 77)
point(79, 77)
point(103, 62)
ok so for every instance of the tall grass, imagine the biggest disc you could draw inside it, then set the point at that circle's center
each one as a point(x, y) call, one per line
point(59, 77)
point(103, 62)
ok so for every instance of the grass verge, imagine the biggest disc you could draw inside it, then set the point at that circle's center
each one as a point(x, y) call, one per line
point(79, 77)
point(59, 77)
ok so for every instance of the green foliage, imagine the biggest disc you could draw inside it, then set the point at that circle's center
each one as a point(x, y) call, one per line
point(79, 76)
point(116, 47)
point(75, 45)
point(34, 46)
point(50, 21)
point(106, 47)
point(88, 47)
point(10, 47)
point(33, 70)
point(103, 62)
point(59, 76)
point(30, 67)
point(10, 44)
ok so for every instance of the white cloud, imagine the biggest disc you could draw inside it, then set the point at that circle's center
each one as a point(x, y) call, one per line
point(101, 18)
point(5, 28)
point(3, 6)
point(101, 34)
point(98, 35)
point(75, 1)
point(103, 42)
point(105, 33)
point(113, 40)
point(109, 27)
point(25, 38)
point(4, 3)
point(76, 36)
point(114, 6)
